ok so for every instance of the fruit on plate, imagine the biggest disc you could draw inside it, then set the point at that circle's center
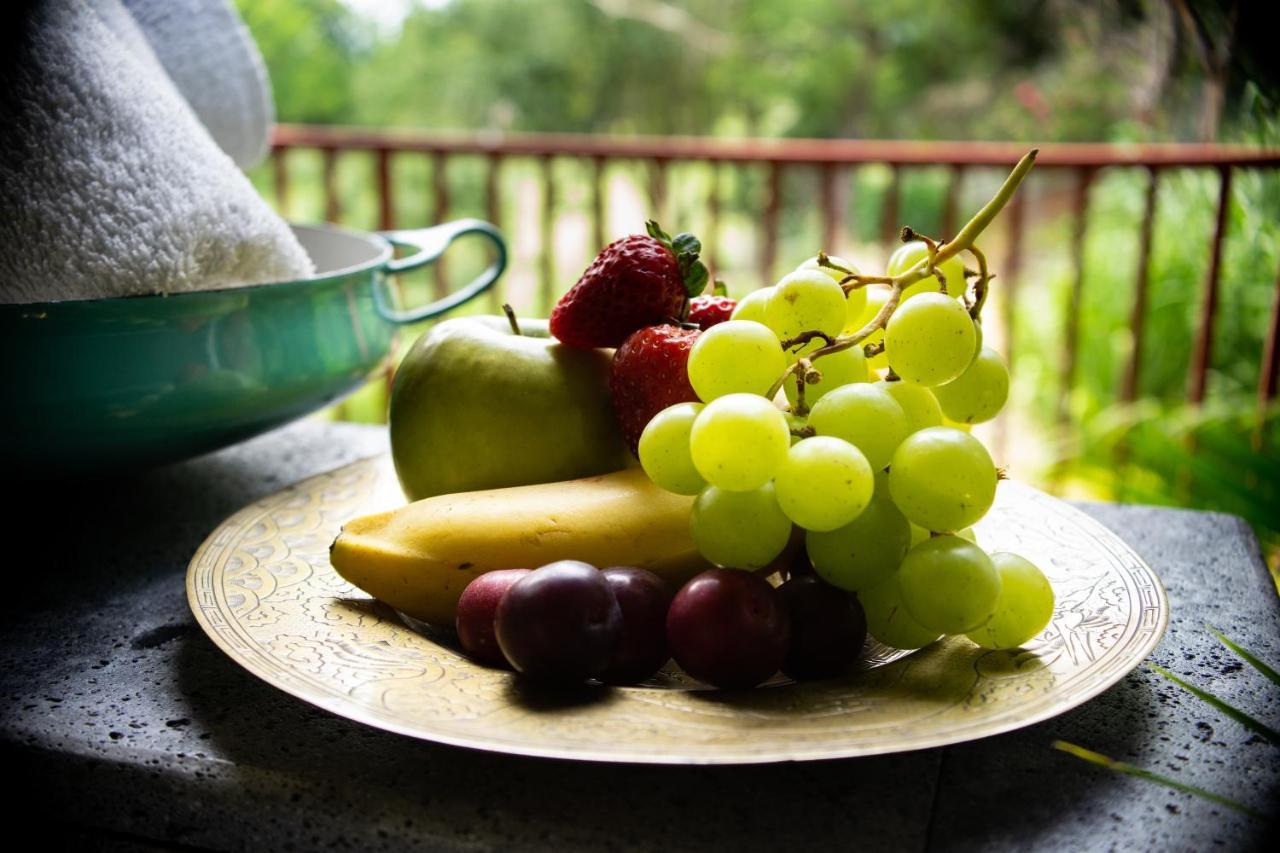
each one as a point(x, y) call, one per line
point(642, 648)
point(476, 610)
point(638, 281)
point(559, 623)
point(419, 557)
point(708, 311)
point(882, 477)
point(649, 374)
point(475, 406)
point(828, 628)
point(1024, 607)
point(728, 628)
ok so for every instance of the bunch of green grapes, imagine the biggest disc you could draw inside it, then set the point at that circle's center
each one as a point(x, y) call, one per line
point(872, 461)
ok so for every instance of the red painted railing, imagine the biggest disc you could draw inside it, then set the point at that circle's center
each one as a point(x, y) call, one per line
point(831, 159)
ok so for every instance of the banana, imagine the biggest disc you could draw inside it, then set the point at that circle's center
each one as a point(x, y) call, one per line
point(418, 558)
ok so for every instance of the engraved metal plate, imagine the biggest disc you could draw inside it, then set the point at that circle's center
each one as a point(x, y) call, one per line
point(262, 588)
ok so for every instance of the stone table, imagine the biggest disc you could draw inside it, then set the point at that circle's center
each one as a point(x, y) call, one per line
point(126, 729)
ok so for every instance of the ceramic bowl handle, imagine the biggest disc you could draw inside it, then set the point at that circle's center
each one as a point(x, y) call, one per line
point(431, 244)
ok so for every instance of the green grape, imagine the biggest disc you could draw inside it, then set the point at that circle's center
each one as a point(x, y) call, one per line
point(739, 441)
point(968, 533)
point(917, 402)
point(794, 423)
point(909, 254)
point(977, 338)
point(1024, 608)
point(930, 340)
point(949, 584)
point(739, 530)
point(864, 552)
point(942, 479)
point(804, 301)
point(978, 394)
point(751, 306)
point(888, 620)
point(664, 449)
point(840, 368)
point(866, 417)
point(737, 356)
point(855, 300)
point(824, 483)
point(947, 422)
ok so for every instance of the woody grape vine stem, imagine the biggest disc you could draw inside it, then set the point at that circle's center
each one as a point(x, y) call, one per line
point(938, 253)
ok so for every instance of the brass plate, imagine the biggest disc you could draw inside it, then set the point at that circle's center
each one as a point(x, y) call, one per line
point(262, 588)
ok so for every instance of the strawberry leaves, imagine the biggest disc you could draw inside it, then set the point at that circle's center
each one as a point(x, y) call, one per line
point(686, 249)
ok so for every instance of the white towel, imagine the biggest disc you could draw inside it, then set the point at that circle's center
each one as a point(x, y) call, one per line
point(210, 56)
point(109, 184)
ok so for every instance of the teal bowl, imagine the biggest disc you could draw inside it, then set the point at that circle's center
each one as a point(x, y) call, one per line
point(104, 384)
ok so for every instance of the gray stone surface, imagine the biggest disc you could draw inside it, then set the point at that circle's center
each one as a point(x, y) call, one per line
point(128, 730)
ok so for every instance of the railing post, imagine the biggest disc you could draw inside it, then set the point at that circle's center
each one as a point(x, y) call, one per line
point(332, 206)
point(769, 223)
point(1011, 272)
point(1138, 318)
point(547, 259)
point(493, 212)
point(440, 213)
point(1203, 355)
point(832, 206)
point(658, 193)
point(1270, 366)
point(890, 221)
point(711, 239)
point(280, 173)
point(386, 204)
point(951, 201)
point(1075, 297)
point(598, 202)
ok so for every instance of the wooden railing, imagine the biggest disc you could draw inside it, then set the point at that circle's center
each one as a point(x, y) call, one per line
point(830, 159)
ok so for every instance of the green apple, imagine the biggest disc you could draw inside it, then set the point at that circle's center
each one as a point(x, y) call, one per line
point(476, 406)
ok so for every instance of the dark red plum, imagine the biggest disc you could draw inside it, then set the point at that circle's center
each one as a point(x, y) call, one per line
point(728, 628)
point(560, 623)
point(828, 628)
point(644, 598)
point(476, 610)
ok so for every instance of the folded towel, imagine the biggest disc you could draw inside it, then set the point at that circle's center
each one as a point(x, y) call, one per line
point(109, 184)
point(210, 56)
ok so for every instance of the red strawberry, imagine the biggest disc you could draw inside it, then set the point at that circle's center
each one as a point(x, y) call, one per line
point(707, 311)
point(650, 372)
point(635, 282)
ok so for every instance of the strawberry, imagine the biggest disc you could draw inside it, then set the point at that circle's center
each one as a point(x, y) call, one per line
point(707, 311)
point(637, 281)
point(650, 372)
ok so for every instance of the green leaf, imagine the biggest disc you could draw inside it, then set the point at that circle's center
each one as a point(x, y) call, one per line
point(1231, 711)
point(686, 242)
point(1247, 655)
point(1129, 770)
point(694, 273)
point(655, 231)
point(719, 288)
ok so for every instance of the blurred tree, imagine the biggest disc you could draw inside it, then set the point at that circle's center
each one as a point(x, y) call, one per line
point(1014, 69)
point(311, 48)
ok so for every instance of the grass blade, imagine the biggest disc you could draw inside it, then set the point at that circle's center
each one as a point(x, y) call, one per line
point(1247, 655)
point(1234, 713)
point(1129, 770)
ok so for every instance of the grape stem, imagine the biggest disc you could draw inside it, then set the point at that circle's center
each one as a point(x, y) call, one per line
point(927, 266)
point(804, 338)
